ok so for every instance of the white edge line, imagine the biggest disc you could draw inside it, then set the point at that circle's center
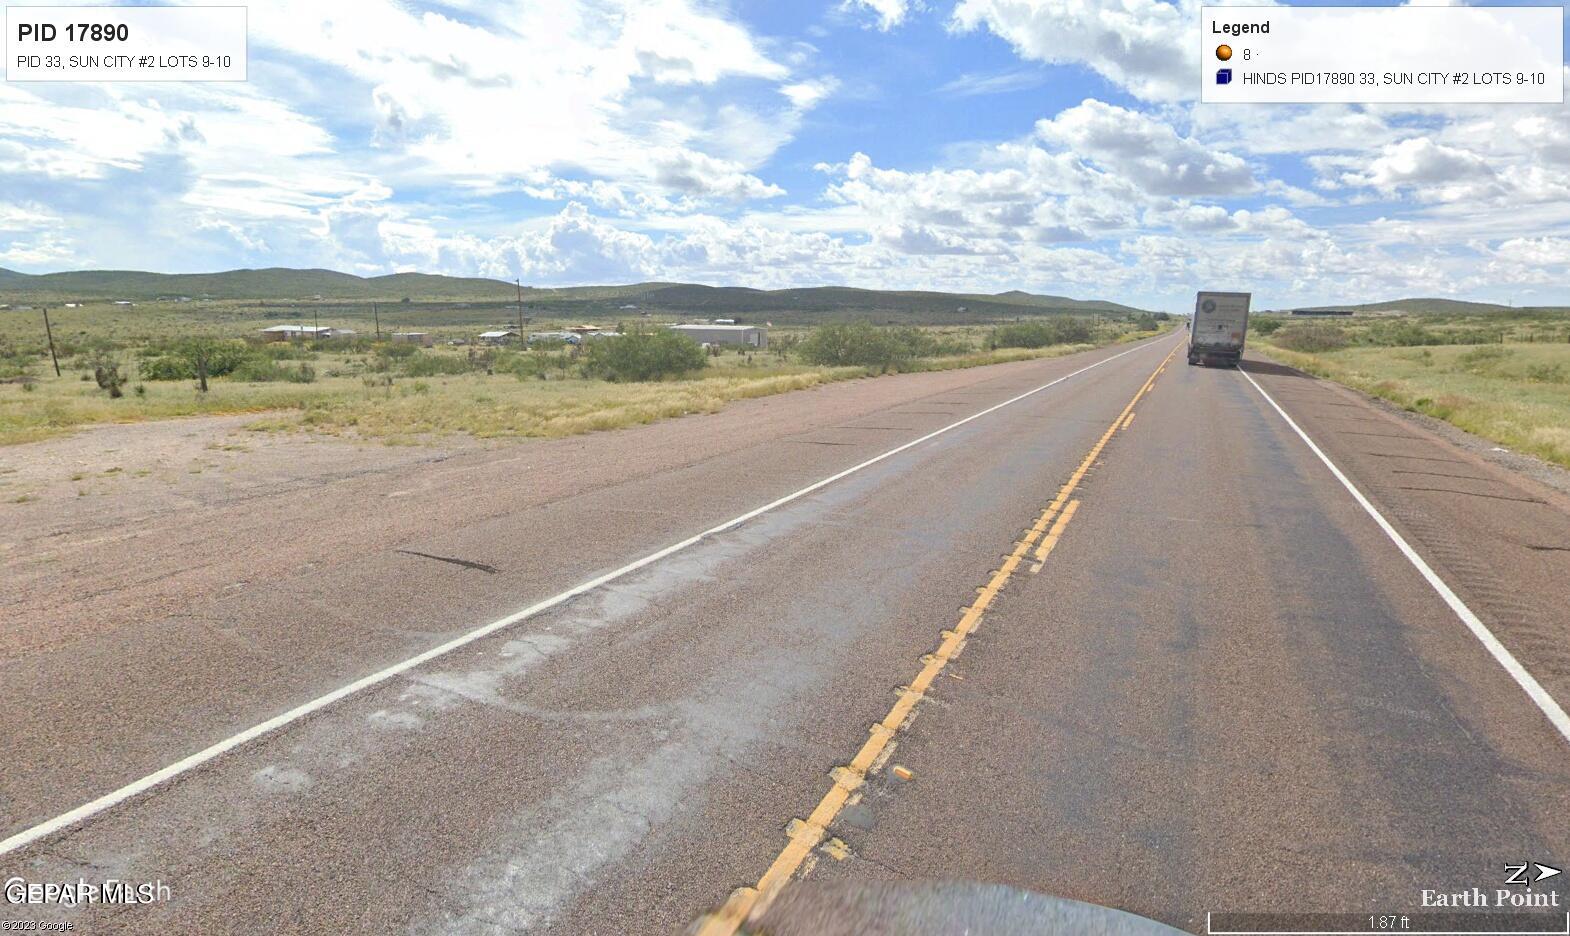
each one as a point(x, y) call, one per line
point(1500, 652)
point(136, 787)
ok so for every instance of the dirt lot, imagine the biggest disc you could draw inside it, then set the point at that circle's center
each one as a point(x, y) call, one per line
point(124, 523)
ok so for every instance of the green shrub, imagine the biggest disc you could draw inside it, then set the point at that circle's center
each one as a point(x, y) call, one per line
point(435, 365)
point(861, 344)
point(179, 361)
point(1483, 358)
point(1042, 334)
point(234, 359)
point(1403, 335)
point(532, 365)
point(284, 350)
point(643, 355)
point(1546, 373)
point(1312, 338)
point(164, 368)
point(398, 349)
point(1265, 326)
point(262, 370)
point(106, 370)
point(925, 344)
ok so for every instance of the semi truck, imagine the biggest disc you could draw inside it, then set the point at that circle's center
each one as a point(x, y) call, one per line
point(1217, 330)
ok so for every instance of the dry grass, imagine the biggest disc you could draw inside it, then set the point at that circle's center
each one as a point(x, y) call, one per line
point(1517, 395)
point(490, 407)
point(400, 409)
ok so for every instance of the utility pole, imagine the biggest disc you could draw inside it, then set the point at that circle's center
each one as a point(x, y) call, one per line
point(519, 284)
point(51, 333)
point(377, 317)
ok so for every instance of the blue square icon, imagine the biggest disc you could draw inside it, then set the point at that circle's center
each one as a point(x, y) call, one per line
point(1223, 76)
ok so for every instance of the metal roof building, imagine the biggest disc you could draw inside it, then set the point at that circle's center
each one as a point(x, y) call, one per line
point(285, 332)
point(749, 335)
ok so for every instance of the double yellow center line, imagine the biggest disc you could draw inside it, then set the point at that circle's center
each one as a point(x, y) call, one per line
point(1062, 502)
point(806, 834)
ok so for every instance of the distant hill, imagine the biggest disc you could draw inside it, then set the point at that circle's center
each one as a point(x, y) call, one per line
point(288, 286)
point(1417, 307)
point(830, 299)
point(274, 283)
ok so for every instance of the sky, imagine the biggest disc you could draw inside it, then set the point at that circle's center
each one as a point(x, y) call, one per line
point(1054, 146)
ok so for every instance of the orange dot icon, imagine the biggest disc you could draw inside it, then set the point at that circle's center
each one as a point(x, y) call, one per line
point(1223, 52)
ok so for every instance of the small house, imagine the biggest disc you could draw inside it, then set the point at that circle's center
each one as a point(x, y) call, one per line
point(554, 337)
point(423, 339)
point(290, 332)
point(499, 336)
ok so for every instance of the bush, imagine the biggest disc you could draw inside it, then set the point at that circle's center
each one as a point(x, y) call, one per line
point(532, 364)
point(860, 344)
point(1265, 326)
point(398, 349)
point(435, 365)
point(235, 359)
point(643, 355)
point(1481, 359)
point(1546, 373)
point(1312, 338)
point(263, 370)
point(180, 361)
point(1042, 334)
point(283, 350)
point(1404, 335)
point(106, 370)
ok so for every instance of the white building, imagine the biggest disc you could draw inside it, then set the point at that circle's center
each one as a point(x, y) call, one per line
point(287, 332)
point(749, 335)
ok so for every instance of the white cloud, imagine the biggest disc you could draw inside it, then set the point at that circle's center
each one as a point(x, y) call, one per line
point(805, 95)
point(889, 13)
point(976, 84)
point(1431, 167)
point(527, 86)
point(1293, 129)
point(26, 216)
point(1536, 251)
point(42, 250)
point(1145, 46)
point(1147, 151)
point(694, 174)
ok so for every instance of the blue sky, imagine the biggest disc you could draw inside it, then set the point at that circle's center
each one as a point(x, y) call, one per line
point(976, 145)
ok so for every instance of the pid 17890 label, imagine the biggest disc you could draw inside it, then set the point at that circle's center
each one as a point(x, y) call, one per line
point(125, 43)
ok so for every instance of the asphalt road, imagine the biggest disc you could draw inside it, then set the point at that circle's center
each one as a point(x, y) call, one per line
point(1137, 644)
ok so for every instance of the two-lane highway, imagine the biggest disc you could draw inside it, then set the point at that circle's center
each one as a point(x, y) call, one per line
point(1123, 635)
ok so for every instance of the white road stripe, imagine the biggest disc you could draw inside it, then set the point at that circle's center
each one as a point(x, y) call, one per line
point(1534, 689)
point(136, 787)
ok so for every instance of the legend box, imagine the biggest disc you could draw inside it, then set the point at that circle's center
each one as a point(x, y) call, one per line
point(1381, 55)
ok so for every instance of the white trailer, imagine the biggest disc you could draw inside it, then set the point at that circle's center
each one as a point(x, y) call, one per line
point(1218, 328)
